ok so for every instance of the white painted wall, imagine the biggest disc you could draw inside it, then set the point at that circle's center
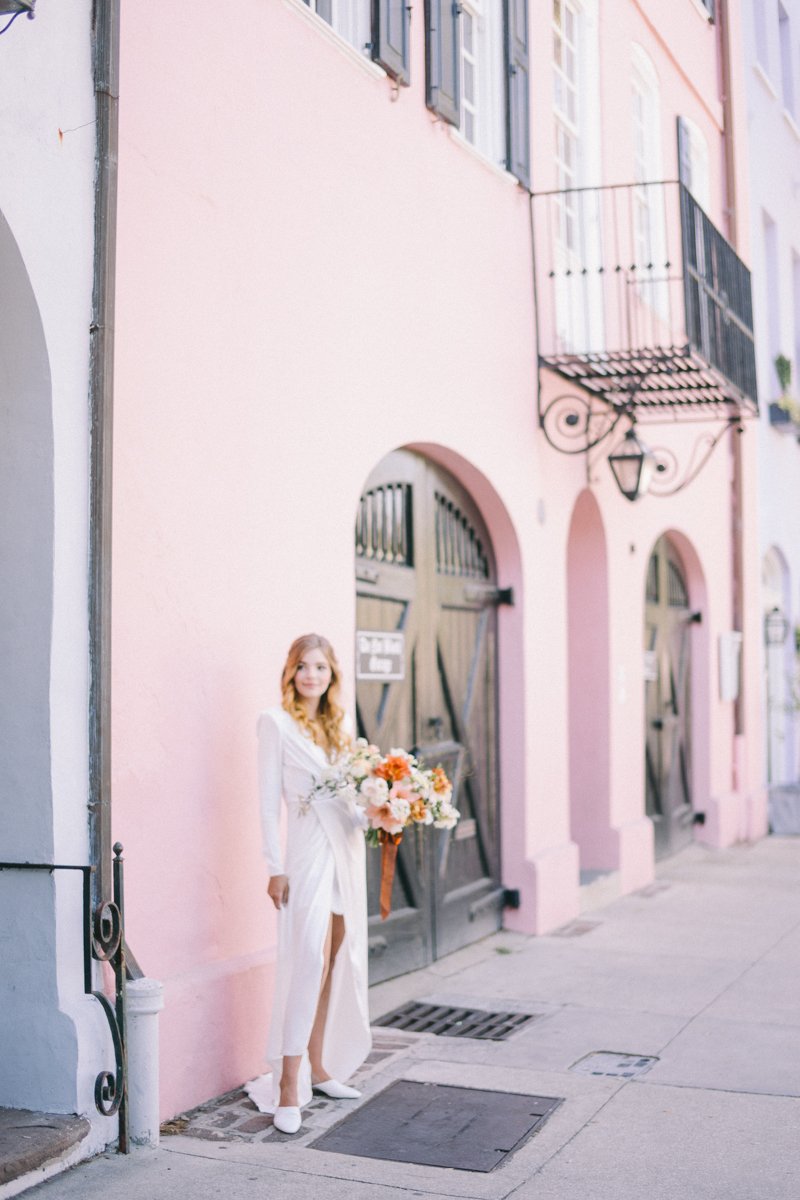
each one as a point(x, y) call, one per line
point(774, 151)
point(55, 1036)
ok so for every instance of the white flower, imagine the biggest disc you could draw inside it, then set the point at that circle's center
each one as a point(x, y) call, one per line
point(373, 791)
point(400, 809)
point(448, 816)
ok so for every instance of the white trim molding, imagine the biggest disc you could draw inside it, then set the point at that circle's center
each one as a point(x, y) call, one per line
point(702, 10)
point(790, 121)
point(461, 141)
point(326, 31)
point(760, 72)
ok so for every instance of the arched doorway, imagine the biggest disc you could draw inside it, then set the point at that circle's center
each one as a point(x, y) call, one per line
point(778, 664)
point(425, 572)
point(668, 748)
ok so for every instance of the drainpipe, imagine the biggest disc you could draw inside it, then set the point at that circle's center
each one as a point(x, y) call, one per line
point(727, 120)
point(737, 490)
point(105, 47)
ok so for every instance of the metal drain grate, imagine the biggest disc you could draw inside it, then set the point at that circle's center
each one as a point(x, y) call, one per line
point(606, 1062)
point(456, 1022)
point(438, 1125)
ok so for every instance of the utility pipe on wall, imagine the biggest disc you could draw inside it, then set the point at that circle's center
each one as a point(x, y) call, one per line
point(145, 1002)
point(105, 47)
point(737, 432)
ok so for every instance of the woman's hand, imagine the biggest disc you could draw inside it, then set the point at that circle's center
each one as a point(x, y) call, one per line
point(278, 890)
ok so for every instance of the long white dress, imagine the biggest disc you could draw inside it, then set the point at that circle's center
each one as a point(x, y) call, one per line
point(326, 867)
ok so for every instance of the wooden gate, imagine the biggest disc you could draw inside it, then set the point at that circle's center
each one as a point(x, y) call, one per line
point(667, 700)
point(425, 568)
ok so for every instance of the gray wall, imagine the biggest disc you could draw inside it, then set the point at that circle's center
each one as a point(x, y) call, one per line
point(38, 1047)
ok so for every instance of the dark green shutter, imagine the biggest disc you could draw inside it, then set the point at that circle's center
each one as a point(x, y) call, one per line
point(442, 55)
point(390, 46)
point(518, 136)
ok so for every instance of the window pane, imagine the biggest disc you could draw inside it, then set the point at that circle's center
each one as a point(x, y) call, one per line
point(556, 48)
point(466, 27)
point(557, 11)
point(469, 126)
point(469, 84)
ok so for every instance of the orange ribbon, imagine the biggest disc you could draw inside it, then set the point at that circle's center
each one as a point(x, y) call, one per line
point(389, 843)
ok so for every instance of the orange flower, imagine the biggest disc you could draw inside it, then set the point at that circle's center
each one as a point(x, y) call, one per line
point(418, 810)
point(441, 783)
point(393, 768)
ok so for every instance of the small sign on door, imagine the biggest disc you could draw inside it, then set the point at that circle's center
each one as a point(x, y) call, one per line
point(380, 656)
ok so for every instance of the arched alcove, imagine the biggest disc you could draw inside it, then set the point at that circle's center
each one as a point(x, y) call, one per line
point(779, 653)
point(589, 689)
point(677, 701)
point(38, 1047)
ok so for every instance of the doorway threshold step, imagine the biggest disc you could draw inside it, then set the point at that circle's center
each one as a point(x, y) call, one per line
point(30, 1141)
point(598, 888)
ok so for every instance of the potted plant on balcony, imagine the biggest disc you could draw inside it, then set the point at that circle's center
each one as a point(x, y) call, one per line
point(785, 413)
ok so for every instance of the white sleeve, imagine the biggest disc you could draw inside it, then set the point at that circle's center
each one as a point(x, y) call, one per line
point(270, 790)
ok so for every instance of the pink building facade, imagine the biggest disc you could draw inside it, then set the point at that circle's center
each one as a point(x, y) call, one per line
point(315, 270)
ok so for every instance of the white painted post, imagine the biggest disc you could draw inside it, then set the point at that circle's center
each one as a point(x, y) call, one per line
point(145, 1002)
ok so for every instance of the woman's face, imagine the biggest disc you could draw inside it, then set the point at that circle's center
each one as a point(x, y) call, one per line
point(313, 675)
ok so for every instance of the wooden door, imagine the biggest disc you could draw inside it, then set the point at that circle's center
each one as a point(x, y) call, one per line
point(424, 567)
point(667, 700)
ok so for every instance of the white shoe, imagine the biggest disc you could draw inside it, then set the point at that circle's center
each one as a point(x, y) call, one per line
point(336, 1090)
point(287, 1119)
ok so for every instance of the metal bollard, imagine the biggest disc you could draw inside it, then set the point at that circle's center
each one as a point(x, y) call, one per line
point(145, 1002)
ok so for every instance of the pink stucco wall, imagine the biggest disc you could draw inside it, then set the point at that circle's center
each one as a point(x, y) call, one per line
point(311, 274)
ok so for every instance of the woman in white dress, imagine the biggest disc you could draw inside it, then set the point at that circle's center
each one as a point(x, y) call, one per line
point(319, 1032)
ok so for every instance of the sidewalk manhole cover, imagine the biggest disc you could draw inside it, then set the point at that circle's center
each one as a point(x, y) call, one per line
point(605, 1062)
point(456, 1022)
point(438, 1125)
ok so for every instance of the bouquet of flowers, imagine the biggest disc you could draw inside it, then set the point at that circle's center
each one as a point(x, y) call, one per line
point(390, 792)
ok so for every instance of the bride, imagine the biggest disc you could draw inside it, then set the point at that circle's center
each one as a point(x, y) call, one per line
point(319, 1032)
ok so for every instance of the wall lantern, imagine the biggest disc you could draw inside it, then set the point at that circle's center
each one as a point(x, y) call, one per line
point(776, 628)
point(633, 466)
point(17, 7)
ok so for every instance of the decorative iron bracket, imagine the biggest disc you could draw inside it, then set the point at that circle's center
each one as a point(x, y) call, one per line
point(578, 423)
point(104, 940)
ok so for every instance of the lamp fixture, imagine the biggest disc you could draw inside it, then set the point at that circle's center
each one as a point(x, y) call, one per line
point(633, 466)
point(17, 8)
point(776, 628)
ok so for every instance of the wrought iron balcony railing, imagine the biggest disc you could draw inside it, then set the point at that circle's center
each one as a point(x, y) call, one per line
point(642, 302)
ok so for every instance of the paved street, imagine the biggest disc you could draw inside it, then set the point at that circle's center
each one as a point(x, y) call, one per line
point(701, 970)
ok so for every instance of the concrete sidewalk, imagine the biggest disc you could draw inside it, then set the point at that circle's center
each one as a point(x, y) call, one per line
point(701, 970)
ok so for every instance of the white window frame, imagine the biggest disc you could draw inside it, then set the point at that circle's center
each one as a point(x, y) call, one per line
point(567, 128)
point(359, 59)
point(352, 20)
point(787, 59)
point(649, 233)
point(488, 105)
point(577, 219)
point(699, 183)
point(759, 10)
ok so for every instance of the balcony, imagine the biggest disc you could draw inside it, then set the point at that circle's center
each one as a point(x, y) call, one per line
point(642, 303)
